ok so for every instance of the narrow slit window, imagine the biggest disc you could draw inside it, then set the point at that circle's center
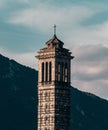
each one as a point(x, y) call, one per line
point(66, 73)
point(58, 71)
point(63, 72)
point(42, 71)
point(46, 71)
point(50, 71)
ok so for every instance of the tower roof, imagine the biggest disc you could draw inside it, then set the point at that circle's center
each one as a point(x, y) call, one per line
point(54, 42)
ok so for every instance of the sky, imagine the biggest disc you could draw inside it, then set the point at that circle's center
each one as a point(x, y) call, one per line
point(26, 25)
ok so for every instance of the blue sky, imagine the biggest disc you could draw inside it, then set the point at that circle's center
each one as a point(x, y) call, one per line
point(25, 26)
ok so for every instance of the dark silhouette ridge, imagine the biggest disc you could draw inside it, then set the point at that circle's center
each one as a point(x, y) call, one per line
point(18, 101)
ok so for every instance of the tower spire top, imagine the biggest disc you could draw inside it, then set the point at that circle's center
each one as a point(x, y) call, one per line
point(55, 29)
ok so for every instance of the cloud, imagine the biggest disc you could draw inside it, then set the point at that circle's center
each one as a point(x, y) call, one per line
point(69, 20)
point(44, 16)
point(88, 35)
point(2, 3)
point(89, 42)
point(27, 59)
point(24, 1)
point(90, 69)
point(97, 87)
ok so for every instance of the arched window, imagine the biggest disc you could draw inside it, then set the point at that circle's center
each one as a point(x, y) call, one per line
point(63, 72)
point(58, 71)
point(41, 120)
point(66, 73)
point(41, 107)
point(52, 119)
point(41, 96)
point(50, 71)
point(42, 70)
point(46, 120)
point(46, 76)
point(47, 108)
point(47, 96)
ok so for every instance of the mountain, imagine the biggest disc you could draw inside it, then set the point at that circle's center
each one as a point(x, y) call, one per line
point(18, 101)
point(18, 95)
point(88, 112)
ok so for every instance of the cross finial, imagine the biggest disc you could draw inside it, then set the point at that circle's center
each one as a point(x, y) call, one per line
point(55, 29)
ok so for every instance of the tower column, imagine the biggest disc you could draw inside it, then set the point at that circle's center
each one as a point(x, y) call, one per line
point(54, 86)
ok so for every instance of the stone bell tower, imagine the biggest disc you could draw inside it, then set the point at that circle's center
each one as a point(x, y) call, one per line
point(54, 68)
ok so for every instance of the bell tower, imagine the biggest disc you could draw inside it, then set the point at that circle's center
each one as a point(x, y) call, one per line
point(54, 66)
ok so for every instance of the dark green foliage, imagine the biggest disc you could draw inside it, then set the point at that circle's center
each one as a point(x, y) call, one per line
point(89, 112)
point(18, 101)
point(18, 96)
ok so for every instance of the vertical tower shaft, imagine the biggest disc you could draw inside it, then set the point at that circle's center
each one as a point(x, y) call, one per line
point(54, 86)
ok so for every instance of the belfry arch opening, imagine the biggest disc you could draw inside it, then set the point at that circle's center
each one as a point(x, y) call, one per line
point(46, 71)
point(59, 71)
point(50, 71)
point(66, 73)
point(42, 69)
point(46, 75)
